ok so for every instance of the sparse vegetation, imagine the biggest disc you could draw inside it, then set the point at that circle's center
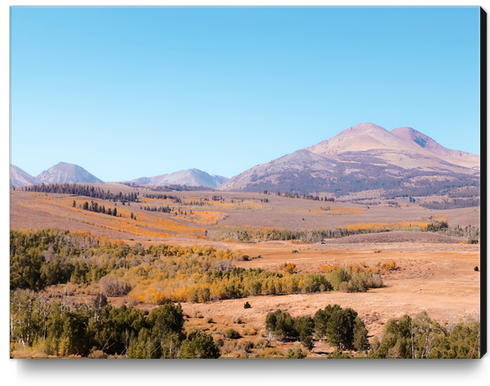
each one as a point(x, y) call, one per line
point(158, 274)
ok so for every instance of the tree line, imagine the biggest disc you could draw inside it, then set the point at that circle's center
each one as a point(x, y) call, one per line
point(453, 204)
point(95, 207)
point(161, 273)
point(407, 338)
point(99, 330)
point(83, 190)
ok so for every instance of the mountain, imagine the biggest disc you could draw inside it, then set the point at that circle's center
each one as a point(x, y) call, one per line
point(189, 177)
point(365, 157)
point(283, 172)
point(363, 137)
point(425, 142)
point(65, 172)
point(19, 178)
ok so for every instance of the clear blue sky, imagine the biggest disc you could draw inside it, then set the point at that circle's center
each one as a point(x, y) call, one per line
point(133, 92)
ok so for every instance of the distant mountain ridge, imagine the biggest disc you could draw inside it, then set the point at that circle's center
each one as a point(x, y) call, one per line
point(188, 177)
point(70, 173)
point(402, 161)
point(19, 177)
point(66, 173)
point(364, 157)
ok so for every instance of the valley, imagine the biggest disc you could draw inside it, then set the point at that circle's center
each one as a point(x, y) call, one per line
point(435, 270)
point(383, 226)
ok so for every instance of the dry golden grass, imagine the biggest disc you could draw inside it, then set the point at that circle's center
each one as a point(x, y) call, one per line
point(392, 226)
point(144, 225)
point(246, 205)
point(205, 217)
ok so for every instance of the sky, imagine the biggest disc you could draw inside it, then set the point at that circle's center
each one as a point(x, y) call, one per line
point(127, 92)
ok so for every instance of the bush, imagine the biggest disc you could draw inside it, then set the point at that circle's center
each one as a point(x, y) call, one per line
point(250, 331)
point(295, 354)
point(337, 354)
point(246, 346)
point(98, 354)
point(114, 286)
point(218, 340)
point(199, 346)
point(247, 305)
point(262, 343)
point(198, 315)
point(237, 320)
point(230, 333)
point(208, 319)
point(476, 269)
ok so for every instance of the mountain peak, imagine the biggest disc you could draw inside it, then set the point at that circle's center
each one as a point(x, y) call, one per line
point(362, 137)
point(64, 172)
point(189, 177)
point(19, 177)
point(365, 127)
point(426, 143)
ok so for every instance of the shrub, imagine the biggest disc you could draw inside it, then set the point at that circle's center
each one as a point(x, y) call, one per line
point(250, 331)
point(295, 354)
point(246, 346)
point(200, 346)
point(230, 333)
point(198, 315)
point(337, 354)
point(288, 268)
point(247, 305)
point(218, 340)
point(237, 320)
point(476, 269)
point(114, 286)
point(262, 343)
point(208, 319)
point(98, 354)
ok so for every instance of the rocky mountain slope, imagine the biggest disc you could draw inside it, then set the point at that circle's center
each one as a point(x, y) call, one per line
point(19, 177)
point(189, 177)
point(66, 173)
point(365, 157)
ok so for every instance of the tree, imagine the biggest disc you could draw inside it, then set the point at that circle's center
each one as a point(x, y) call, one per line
point(280, 325)
point(361, 342)
point(199, 345)
point(340, 328)
point(321, 318)
point(304, 327)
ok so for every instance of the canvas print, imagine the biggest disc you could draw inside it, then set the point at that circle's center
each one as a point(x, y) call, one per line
point(245, 182)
